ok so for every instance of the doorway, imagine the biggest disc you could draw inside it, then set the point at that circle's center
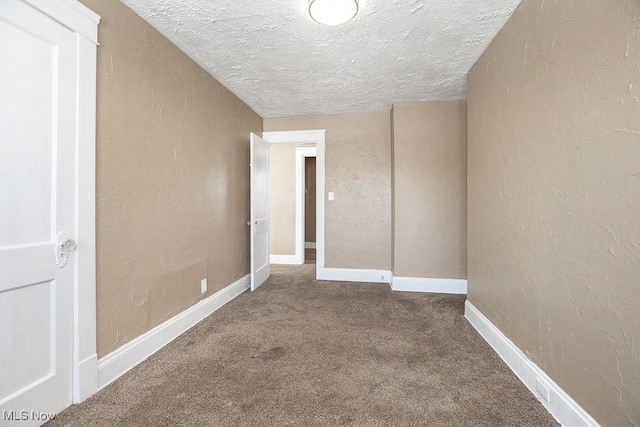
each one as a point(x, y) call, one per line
point(290, 236)
point(310, 210)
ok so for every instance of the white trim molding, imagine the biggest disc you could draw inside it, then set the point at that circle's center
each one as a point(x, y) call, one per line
point(87, 372)
point(422, 284)
point(355, 275)
point(309, 245)
point(72, 14)
point(285, 260)
point(559, 404)
point(294, 136)
point(117, 363)
point(85, 324)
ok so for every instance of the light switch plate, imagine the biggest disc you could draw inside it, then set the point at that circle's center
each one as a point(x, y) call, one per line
point(203, 286)
point(332, 196)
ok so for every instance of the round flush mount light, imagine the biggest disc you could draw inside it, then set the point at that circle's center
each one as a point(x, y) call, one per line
point(333, 12)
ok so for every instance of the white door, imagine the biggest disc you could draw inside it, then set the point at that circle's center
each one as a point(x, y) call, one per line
point(37, 193)
point(259, 211)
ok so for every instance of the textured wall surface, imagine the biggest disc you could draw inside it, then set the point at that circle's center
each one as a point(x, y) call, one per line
point(281, 62)
point(430, 189)
point(310, 200)
point(172, 179)
point(282, 199)
point(554, 195)
point(358, 170)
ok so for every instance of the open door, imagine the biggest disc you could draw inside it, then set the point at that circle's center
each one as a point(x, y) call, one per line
point(38, 182)
point(259, 211)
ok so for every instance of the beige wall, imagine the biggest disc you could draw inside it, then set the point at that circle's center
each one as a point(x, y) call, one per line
point(172, 179)
point(554, 193)
point(358, 170)
point(310, 200)
point(282, 199)
point(430, 189)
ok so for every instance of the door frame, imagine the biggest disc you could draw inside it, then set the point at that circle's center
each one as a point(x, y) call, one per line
point(84, 23)
point(308, 137)
point(301, 154)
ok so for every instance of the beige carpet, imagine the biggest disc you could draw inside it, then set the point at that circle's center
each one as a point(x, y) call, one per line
point(305, 353)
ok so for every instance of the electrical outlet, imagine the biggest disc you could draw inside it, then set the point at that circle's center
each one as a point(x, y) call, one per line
point(203, 286)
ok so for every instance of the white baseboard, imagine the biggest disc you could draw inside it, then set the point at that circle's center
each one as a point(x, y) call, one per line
point(559, 404)
point(438, 286)
point(285, 259)
point(88, 375)
point(310, 245)
point(354, 275)
point(116, 363)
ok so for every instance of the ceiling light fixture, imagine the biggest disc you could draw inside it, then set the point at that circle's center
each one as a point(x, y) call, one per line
point(333, 12)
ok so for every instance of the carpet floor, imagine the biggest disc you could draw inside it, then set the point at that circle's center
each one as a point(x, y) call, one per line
point(307, 353)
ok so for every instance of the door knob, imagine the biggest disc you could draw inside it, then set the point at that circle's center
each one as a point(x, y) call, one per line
point(64, 244)
point(69, 244)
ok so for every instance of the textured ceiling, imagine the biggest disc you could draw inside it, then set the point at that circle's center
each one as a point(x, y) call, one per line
point(273, 56)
